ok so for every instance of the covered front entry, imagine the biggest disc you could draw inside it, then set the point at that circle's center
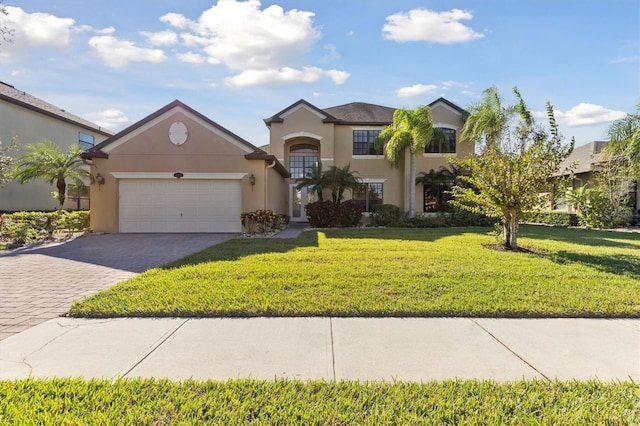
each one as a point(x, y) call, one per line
point(179, 205)
point(298, 200)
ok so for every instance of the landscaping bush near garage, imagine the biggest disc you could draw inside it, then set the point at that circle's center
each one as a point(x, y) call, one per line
point(156, 401)
point(391, 272)
point(23, 227)
point(263, 221)
point(552, 218)
point(326, 214)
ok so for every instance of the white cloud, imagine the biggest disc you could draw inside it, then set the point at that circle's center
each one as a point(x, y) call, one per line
point(161, 38)
point(286, 75)
point(622, 59)
point(585, 114)
point(176, 20)
point(428, 25)
point(263, 46)
point(351, 33)
point(31, 30)
point(332, 53)
point(416, 90)
point(192, 58)
point(118, 53)
point(112, 119)
point(106, 31)
point(338, 77)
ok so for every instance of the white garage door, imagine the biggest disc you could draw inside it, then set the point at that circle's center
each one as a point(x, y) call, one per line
point(172, 205)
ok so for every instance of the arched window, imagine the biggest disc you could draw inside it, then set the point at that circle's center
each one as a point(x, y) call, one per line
point(446, 145)
point(301, 158)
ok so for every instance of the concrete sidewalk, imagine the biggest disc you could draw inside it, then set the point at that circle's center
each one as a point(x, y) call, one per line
point(411, 349)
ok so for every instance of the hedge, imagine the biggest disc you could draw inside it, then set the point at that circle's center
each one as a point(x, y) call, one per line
point(552, 218)
point(23, 227)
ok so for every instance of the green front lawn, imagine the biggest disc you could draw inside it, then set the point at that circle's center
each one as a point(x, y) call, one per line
point(391, 272)
point(236, 402)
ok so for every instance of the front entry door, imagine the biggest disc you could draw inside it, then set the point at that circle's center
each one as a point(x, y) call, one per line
point(298, 199)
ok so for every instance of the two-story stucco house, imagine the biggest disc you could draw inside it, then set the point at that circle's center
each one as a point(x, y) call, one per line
point(30, 120)
point(178, 171)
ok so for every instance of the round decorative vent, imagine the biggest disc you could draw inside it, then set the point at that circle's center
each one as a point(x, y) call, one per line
point(178, 133)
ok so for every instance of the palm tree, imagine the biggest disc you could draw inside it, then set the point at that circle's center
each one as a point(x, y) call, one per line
point(44, 160)
point(314, 179)
point(411, 130)
point(339, 179)
point(624, 138)
point(487, 120)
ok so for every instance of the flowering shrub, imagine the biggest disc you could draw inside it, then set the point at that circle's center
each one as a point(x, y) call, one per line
point(262, 221)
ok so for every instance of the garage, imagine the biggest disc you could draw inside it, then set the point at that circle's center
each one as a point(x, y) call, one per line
point(179, 205)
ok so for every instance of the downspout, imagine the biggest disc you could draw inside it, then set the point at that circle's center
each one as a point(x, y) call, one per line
point(266, 182)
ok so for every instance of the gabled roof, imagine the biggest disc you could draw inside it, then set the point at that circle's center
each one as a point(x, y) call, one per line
point(582, 159)
point(255, 153)
point(279, 116)
point(10, 94)
point(98, 150)
point(361, 113)
point(449, 104)
point(354, 113)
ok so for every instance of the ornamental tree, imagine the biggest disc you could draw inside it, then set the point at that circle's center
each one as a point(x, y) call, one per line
point(515, 157)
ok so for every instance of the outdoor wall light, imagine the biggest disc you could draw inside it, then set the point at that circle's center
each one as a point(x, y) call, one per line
point(252, 180)
point(178, 175)
point(99, 179)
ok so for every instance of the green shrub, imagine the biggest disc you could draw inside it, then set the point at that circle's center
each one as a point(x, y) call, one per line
point(386, 214)
point(324, 214)
point(263, 221)
point(462, 217)
point(552, 218)
point(421, 221)
point(23, 227)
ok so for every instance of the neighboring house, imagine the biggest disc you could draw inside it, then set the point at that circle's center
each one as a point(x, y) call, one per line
point(584, 162)
point(178, 171)
point(30, 120)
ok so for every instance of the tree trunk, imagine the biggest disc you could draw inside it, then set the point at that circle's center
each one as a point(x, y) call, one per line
point(412, 184)
point(510, 229)
point(506, 235)
point(62, 190)
point(514, 231)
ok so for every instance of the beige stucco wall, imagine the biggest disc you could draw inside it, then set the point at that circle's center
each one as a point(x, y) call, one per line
point(31, 127)
point(151, 151)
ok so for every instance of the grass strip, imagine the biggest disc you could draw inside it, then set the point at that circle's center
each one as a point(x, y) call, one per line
point(391, 272)
point(153, 401)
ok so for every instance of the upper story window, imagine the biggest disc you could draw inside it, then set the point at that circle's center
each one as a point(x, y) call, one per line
point(363, 142)
point(440, 146)
point(301, 159)
point(86, 141)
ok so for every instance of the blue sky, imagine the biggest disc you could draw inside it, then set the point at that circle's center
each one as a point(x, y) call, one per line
point(115, 62)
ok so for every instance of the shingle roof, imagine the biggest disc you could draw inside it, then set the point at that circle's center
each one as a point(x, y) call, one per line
point(11, 94)
point(582, 159)
point(362, 113)
point(354, 113)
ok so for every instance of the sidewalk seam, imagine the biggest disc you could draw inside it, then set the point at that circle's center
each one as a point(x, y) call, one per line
point(153, 348)
point(511, 350)
point(333, 353)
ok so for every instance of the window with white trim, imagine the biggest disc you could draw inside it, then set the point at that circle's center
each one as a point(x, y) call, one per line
point(364, 142)
point(301, 159)
point(370, 193)
point(440, 146)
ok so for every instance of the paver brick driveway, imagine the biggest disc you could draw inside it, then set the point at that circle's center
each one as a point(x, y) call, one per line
point(40, 283)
